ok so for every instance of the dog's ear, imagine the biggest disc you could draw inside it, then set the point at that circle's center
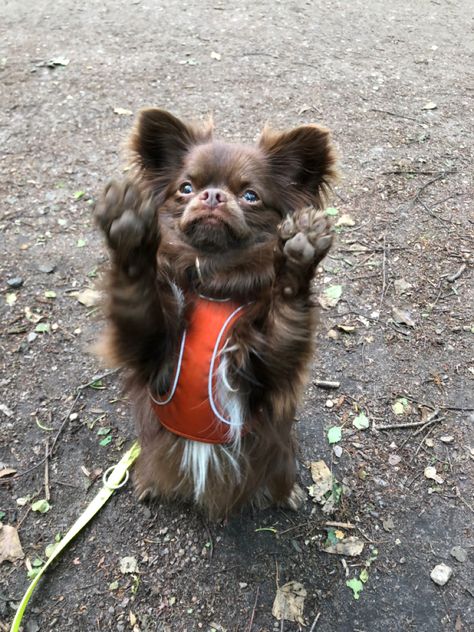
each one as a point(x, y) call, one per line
point(301, 160)
point(160, 141)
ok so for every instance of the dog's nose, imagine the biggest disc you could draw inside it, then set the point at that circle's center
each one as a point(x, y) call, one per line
point(213, 197)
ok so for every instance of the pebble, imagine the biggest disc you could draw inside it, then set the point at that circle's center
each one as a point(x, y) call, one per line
point(337, 449)
point(441, 574)
point(46, 267)
point(447, 438)
point(459, 553)
point(15, 282)
point(329, 403)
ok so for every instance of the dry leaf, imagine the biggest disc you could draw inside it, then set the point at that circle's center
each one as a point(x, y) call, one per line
point(10, 545)
point(430, 472)
point(322, 478)
point(289, 602)
point(345, 220)
point(123, 112)
point(351, 545)
point(7, 471)
point(402, 316)
point(89, 297)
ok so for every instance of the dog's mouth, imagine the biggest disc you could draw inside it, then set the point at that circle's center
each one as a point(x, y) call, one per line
point(212, 230)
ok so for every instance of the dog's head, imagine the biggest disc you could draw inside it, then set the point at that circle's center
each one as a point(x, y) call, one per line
point(219, 197)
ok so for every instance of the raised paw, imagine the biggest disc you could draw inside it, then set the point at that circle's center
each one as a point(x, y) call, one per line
point(128, 219)
point(296, 499)
point(306, 236)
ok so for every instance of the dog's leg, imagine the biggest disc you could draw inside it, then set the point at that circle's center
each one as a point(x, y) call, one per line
point(280, 362)
point(139, 310)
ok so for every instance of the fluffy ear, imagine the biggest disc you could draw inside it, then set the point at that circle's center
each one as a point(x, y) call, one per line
point(301, 160)
point(160, 141)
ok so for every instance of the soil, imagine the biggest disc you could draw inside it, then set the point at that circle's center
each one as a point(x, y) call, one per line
point(392, 81)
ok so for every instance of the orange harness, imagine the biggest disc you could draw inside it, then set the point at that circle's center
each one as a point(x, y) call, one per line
point(189, 408)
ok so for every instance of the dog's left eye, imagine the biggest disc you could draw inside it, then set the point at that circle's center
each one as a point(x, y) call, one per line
point(250, 196)
point(186, 188)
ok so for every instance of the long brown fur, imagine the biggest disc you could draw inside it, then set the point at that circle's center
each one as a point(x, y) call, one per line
point(155, 233)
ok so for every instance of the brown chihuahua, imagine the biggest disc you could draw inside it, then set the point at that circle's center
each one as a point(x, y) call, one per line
point(213, 251)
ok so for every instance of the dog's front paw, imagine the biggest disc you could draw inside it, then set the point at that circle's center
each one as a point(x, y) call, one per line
point(128, 219)
point(306, 236)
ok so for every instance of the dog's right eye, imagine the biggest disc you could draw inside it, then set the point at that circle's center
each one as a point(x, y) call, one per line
point(186, 188)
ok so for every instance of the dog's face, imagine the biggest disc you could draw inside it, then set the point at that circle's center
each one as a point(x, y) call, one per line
point(219, 197)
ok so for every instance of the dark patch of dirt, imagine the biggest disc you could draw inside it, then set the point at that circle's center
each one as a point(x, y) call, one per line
point(364, 69)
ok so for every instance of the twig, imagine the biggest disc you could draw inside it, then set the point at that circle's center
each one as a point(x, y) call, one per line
point(384, 275)
point(342, 525)
point(458, 495)
point(452, 277)
point(252, 616)
point(410, 118)
point(440, 176)
point(316, 619)
point(400, 172)
point(410, 424)
point(47, 494)
point(326, 384)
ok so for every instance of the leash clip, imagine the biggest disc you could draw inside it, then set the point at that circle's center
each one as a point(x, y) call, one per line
point(110, 470)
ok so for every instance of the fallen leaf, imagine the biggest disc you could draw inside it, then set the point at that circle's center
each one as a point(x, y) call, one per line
point(400, 407)
point(50, 294)
point(430, 473)
point(388, 525)
point(5, 410)
point(447, 438)
point(351, 546)
point(123, 112)
point(402, 317)
point(10, 298)
point(401, 286)
point(361, 422)
point(394, 459)
point(128, 565)
point(331, 211)
point(323, 480)
point(345, 220)
point(89, 297)
point(43, 328)
point(7, 471)
point(334, 434)
point(114, 585)
point(348, 329)
point(10, 545)
point(81, 243)
point(42, 506)
point(356, 586)
point(289, 602)
point(106, 440)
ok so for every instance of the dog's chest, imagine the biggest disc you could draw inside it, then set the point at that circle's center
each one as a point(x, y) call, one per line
point(199, 403)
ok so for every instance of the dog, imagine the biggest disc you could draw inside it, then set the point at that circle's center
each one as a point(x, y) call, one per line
point(213, 250)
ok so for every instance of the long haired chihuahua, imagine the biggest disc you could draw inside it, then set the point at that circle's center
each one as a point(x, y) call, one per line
point(213, 250)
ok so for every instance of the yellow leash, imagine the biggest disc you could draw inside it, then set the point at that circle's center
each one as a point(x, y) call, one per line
point(114, 478)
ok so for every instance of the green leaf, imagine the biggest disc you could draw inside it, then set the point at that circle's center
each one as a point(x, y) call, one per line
point(34, 572)
point(81, 243)
point(42, 506)
point(2, 515)
point(332, 538)
point(98, 385)
point(114, 585)
point(356, 586)
point(332, 211)
point(50, 294)
point(106, 440)
point(43, 328)
point(37, 562)
point(79, 194)
point(400, 406)
point(361, 422)
point(49, 550)
point(364, 575)
point(103, 431)
point(334, 292)
point(334, 434)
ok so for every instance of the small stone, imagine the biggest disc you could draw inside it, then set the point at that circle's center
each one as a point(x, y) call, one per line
point(47, 267)
point(73, 416)
point(243, 584)
point(31, 337)
point(329, 403)
point(459, 553)
point(388, 525)
point(337, 449)
point(441, 574)
point(429, 442)
point(15, 282)
point(394, 459)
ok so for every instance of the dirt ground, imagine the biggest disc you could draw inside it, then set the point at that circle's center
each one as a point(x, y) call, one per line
point(393, 82)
